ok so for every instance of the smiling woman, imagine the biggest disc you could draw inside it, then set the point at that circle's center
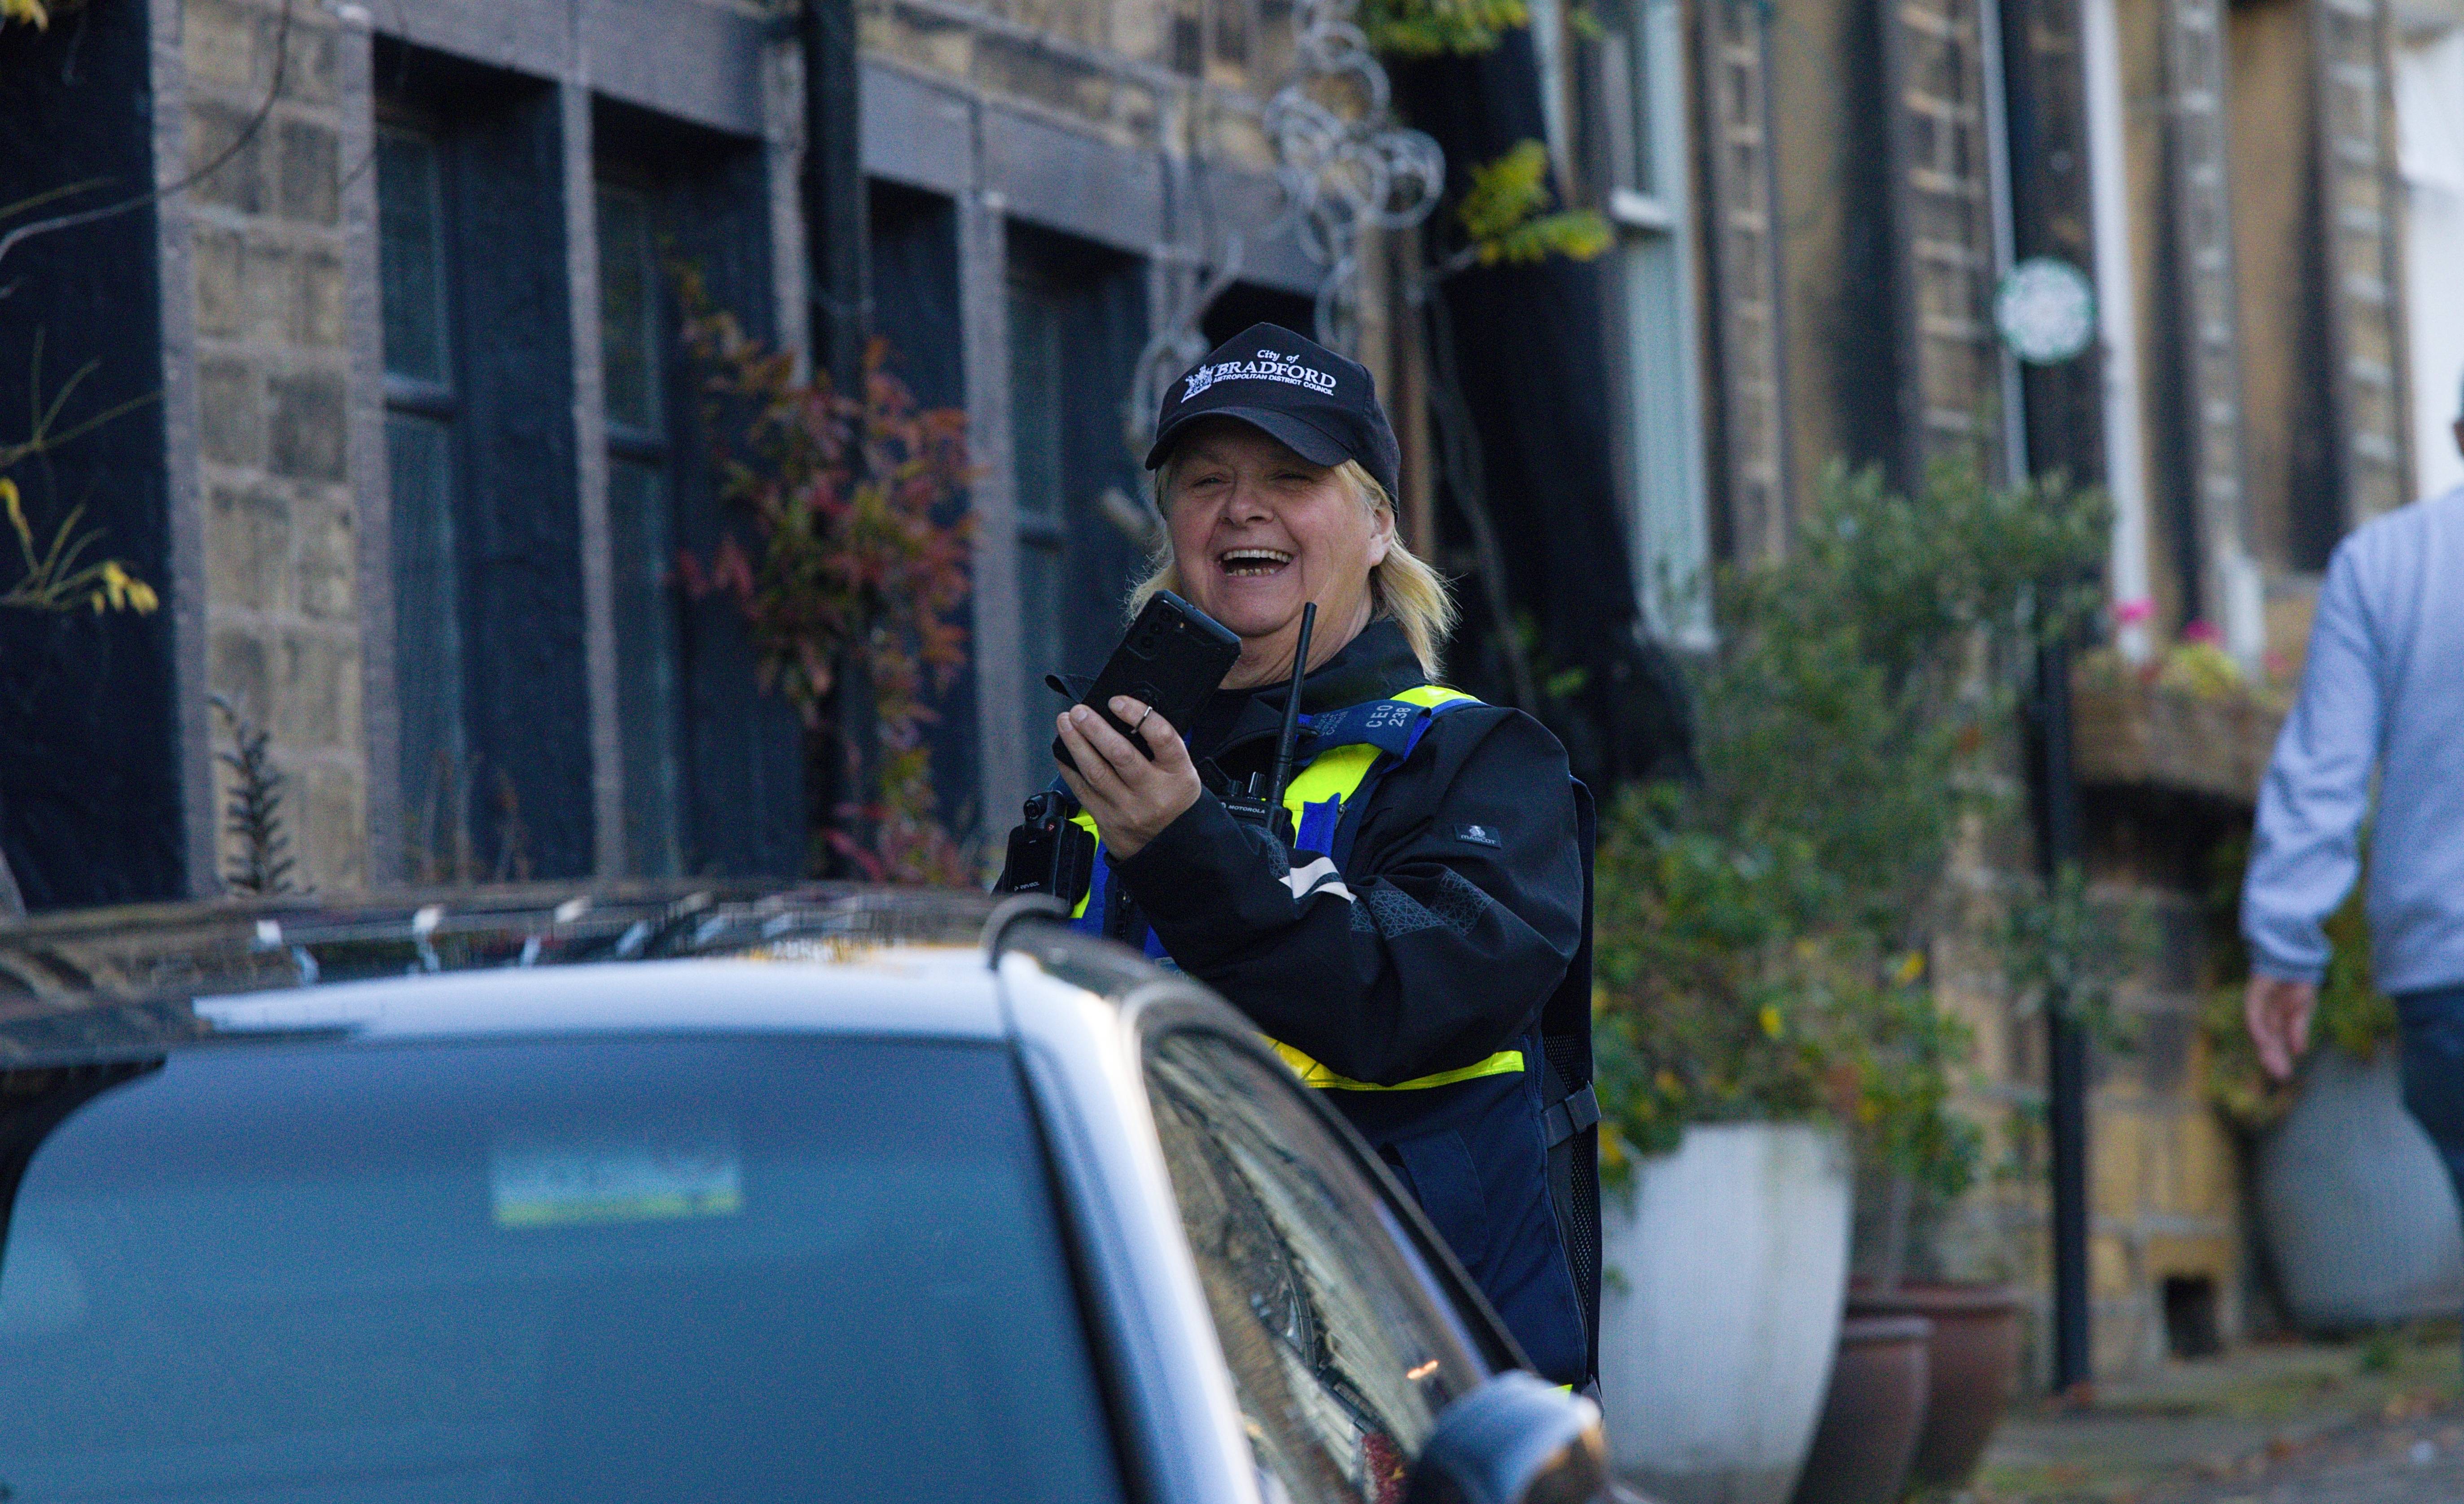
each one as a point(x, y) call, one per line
point(1410, 923)
point(1371, 572)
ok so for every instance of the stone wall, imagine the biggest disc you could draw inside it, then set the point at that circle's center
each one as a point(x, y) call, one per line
point(1949, 372)
point(1141, 74)
point(281, 606)
point(2165, 1213)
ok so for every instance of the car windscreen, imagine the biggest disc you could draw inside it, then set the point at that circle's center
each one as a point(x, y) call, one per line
point(583, 1271)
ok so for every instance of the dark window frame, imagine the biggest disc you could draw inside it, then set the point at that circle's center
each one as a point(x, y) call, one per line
point(653, 741)
point(436, 820)
point(518, 804)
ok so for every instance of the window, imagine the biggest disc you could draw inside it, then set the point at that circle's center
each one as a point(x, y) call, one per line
point(1037, 395)
point(633, 341)
point(422, 404)
point(1077, 321)
point(1342, 1354)
point(715, 1269)
point(491, 688)
point(1641, 101)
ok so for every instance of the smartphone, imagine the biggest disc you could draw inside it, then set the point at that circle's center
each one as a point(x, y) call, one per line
point(1173, 658)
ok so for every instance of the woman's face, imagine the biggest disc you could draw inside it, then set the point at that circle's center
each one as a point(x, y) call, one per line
point(1258, 533)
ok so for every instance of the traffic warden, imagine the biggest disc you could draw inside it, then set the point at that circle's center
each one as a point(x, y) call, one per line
point(1420, 949)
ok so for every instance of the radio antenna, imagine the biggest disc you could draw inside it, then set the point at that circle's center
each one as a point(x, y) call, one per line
point(1289, 740)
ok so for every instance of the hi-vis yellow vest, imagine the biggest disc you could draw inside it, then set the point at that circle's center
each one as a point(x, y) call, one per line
point(1317, 797)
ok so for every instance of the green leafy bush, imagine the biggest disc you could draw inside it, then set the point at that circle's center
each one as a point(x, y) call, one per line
point(1762, 936)
point(1437, 27)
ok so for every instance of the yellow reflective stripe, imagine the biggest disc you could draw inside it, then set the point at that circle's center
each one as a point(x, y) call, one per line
point(1505, 1062)
point(1336, 774)
point(1086, 823)
point(1332, 774)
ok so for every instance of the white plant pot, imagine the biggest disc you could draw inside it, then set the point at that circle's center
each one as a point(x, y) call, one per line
point(2360, 1215)
point(1730, 1261)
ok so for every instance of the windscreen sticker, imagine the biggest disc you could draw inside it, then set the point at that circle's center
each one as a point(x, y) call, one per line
point(655, 1175)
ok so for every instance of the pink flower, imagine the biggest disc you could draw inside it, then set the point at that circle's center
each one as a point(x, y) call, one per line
point(2130, 613)
point(2202, 631)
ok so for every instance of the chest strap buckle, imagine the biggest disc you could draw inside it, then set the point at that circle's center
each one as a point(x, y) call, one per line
point(1580, 1111)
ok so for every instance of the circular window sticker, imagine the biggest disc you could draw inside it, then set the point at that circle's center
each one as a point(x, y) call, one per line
point(2045, 310)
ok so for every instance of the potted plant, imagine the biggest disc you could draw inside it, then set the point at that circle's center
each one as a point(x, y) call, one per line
point(1758, 936)
point(1922, 1155)
point(2355, 1211)
point(1726, 1223)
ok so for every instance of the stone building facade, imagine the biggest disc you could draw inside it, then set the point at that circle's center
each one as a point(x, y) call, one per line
point(1865, 174)
point(416, 447)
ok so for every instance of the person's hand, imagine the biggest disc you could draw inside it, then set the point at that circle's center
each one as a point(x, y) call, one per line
point(1132, 799)
point(2277, 1011)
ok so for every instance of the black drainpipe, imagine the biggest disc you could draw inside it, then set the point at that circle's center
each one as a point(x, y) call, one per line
point(841, 759)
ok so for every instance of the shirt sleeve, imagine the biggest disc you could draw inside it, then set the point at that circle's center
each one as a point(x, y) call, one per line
point(2305, 848)
point(1458, 917)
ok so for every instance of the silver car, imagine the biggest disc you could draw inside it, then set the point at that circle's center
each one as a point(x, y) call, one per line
point(802, 1196)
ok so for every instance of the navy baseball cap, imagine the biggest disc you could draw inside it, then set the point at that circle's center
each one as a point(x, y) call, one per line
point(1320, 405)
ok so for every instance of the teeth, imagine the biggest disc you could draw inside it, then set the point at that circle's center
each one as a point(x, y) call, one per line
point(1253, 560)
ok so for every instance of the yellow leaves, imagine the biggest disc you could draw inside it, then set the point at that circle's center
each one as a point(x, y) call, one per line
point(8, 487)
point(1613, 1155)
point(123, 591)
point(53, 581)
point(30, 12)
point(1911, 966)
point(1507, 191)
point(1435, 27)
point(1503, 212)
point(1772, 1023)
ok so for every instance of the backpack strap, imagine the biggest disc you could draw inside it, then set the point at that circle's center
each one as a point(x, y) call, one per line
point(1394, 731)
point(1572, 1123)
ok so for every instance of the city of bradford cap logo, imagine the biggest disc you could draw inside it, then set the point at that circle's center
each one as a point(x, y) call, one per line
point(1268, 366)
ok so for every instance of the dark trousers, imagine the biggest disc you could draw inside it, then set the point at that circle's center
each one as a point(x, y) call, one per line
point(2433, 1070)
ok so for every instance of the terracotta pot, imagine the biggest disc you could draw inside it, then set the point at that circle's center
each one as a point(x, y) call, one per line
point(1972, 1366)
point(1874, 1413)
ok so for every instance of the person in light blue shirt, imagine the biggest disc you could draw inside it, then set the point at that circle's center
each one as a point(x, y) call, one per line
point(2383, 694)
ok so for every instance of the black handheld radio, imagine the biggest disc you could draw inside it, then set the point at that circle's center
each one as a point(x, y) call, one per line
point(1171, 659)
point(1049, 852)
point(1263, 806)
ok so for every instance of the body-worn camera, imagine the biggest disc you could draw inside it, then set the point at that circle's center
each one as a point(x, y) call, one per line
point(1049, 852)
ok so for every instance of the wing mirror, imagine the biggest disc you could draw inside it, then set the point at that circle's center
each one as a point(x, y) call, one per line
point(1517, 1438)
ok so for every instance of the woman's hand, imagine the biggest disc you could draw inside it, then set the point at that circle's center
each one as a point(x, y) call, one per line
point(1132, 799)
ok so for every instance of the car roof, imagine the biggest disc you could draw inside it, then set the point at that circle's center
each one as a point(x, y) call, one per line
point(937, 991)
point(531, 959)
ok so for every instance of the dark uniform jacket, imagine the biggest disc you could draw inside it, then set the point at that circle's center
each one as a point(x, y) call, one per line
point(1454, 916)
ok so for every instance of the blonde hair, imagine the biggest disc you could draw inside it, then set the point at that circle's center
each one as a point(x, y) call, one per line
point(1402, 587)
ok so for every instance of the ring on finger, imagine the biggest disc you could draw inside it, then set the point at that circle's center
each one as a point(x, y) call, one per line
point(1142, 720)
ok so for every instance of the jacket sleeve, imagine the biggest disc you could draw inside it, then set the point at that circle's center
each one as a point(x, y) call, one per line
point(2304, 847)
point(1460, 914)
